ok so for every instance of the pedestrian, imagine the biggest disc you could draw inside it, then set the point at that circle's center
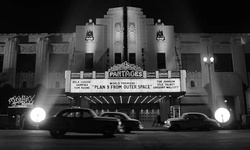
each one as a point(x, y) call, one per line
point(156, 121)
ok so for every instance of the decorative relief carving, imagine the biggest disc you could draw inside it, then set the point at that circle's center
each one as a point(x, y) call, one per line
point(28, 48)
point(25, 77)
point(118, 33)
point(125, 66)
point(195, 77)
point(221, 48)
point(191, 47)
point(131, 32)
point(2, 48)
point(60, 48)
point(56, 80)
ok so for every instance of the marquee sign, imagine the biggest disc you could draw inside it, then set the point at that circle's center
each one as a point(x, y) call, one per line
point(125, 70)
point(125, 78)
point(124, 85)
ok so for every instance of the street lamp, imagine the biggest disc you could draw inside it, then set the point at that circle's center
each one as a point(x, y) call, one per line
point(208, 62)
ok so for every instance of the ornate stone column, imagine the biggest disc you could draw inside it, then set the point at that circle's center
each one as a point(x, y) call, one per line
point(164, 108)
point(41, 74)
point(10, 57)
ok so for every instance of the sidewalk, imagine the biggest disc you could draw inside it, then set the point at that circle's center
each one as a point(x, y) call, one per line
point(147, 126)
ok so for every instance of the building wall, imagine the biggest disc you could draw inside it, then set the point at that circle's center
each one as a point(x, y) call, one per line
point(142, 33)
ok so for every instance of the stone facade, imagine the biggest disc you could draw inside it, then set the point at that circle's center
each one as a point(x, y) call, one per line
point(146, 39)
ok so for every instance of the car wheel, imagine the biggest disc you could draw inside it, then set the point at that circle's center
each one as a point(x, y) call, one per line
point(57, 134)
point(176, 127)
point(108, 132)
point(208, 128)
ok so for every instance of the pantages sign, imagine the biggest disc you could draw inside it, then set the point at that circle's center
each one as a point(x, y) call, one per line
point(125, 70)
point(124, 78)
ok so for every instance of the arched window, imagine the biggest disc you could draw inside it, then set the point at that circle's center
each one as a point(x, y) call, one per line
point(57, 84)
point(24, 84)
point(192, 84)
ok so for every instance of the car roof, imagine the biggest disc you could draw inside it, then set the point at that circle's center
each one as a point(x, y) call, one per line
point(195, 113)
point(73, 110)
point(114, 113)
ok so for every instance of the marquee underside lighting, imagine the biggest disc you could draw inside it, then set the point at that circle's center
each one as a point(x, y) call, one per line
point(118, 99)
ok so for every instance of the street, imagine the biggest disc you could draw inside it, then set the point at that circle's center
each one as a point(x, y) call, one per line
point(139, 140)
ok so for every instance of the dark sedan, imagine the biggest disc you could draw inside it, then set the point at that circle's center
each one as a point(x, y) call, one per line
point(128, 124)
point(82, 120)
point(191, 120)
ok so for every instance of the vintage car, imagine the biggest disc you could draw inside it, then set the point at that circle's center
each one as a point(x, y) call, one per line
point(191, 120)
point(128, 124)
point(82, 120)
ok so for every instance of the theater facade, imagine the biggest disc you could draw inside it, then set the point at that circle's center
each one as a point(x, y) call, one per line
point(150, 70)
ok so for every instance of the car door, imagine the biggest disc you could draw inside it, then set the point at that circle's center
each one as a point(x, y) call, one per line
point(84, 122)
point(192, 121)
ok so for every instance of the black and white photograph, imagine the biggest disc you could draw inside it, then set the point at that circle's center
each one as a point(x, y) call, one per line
point(124, 74)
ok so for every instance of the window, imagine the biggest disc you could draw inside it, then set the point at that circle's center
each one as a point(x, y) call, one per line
point(192, 84)
point(24, 84)
point(223, 62)
point(1, 63)
point(161, 61)
point(247, 59)
point(89, 59)
point(57, 84)
point(85, 114)
point(118, 58)
point(78, 62)
point(191, 62)
point(132, 58)
point(58, 62)
point(26, 63)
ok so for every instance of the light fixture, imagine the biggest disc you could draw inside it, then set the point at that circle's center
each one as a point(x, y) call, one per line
point(205, 59)
point(211, 59)
point(37, 114)
point(222, 115)
point(137, 99)
point(129, 99)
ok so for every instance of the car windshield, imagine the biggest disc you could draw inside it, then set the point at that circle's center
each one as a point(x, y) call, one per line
point(93, 113)
point(117, 115)
point(194, 116)
point(77, 113)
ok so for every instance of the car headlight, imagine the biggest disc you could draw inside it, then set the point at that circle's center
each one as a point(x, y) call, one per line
point(167, 122)
point(119, 122)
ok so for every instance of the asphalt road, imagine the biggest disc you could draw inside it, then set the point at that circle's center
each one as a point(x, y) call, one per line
point(140, 140)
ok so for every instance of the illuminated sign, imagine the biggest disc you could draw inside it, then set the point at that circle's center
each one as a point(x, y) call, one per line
point(125, 70)
point(124, 85)
point(21, 101)
point(89, 36)
point(160, 36)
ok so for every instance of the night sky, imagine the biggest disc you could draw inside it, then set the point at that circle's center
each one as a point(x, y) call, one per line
point(62, 16)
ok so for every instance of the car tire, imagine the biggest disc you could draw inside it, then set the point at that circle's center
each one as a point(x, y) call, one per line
point(108, 132)
point(175, 127)
point(57, 133)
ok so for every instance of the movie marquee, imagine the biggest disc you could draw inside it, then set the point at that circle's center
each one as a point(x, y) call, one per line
point(123, 78)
